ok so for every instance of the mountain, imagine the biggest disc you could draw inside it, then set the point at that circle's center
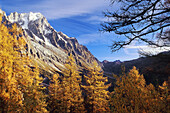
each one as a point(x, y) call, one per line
point(156, 69)
point(45, 45)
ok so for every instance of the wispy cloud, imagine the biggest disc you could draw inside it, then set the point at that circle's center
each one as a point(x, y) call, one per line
point(97, 19)
point(121, 58)
point(133, 49)
point(153, 50)
point(95, 38)
point(136, 47)
point(55, 9)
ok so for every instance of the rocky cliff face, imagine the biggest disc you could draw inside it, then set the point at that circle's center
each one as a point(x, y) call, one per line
point(48, 47)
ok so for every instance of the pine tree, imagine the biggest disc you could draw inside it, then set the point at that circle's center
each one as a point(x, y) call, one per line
point(68, 95)
point(19, 84)
point(96, 100)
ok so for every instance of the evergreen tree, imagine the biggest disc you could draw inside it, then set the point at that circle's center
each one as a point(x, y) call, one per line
point(96, 100)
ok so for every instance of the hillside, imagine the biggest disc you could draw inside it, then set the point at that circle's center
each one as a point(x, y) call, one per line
point(155, 69)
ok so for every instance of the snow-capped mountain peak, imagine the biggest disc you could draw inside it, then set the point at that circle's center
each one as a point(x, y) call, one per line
point(34, 16)
point(49, 47)
point(36, 23)
point(24, 18)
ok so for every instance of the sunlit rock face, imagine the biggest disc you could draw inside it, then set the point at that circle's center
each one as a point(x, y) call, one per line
point(49, 48)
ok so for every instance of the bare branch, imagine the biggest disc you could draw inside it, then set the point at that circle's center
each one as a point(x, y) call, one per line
point(138, 18)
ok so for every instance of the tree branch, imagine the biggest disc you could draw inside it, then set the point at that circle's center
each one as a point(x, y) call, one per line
point(134, 18)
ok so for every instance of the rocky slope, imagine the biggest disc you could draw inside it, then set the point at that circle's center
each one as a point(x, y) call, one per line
point(48, 47)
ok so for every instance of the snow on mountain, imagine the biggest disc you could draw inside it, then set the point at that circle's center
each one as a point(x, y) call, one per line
point(49, 48)
point(31, 20)
point(24, 18)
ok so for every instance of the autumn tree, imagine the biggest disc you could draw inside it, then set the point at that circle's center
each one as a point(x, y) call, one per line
point(54, 100)
point(67, 95)
point(138, 20)
point(20, 89)
point(96, 91)
point(131, 94)
point(164, 91)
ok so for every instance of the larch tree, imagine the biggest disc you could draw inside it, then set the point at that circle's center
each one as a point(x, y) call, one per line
point(19, 84)
point(96, 91)
point(54, 100)
point(164, 91)
point(131, 94)
point(68, 95)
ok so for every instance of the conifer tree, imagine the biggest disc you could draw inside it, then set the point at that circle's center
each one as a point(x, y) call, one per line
point(67, 95)
point(96, 100)
point(164, 99)
point(19, 84)
point(131, 94)
point(54, 101)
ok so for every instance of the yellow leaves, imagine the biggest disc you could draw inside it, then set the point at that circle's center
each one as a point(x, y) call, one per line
point(20, 85)
point(96, 90)
point(55, 77)
point(67, 91)
point(164, 85)
point(0, 18)
point(131, 94)
point(20, 102)
point(134, 73)
point(6, 95)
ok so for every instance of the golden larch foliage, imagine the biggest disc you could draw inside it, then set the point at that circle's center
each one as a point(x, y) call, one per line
point(97, 95)
point(20, 89)
point(67, 95)
point(132, 95)
point(54, 103)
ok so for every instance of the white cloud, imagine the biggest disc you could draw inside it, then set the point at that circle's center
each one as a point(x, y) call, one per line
point(136, 47)
point(131, 51)
point(155, 51)
point(95, 38)
point(96, 19)
point(121, 58)
point(148, 49)
point(55, 9)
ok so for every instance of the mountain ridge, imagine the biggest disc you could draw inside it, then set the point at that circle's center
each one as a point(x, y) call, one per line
point(156, 68)
point(46, 46)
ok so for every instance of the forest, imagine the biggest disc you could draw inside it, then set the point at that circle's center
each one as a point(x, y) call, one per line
point(22, 91)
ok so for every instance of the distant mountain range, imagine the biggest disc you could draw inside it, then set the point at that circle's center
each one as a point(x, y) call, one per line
point(155, 69)
point(45, 45)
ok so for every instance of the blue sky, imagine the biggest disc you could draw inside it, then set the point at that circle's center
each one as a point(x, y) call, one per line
point(77, 18)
